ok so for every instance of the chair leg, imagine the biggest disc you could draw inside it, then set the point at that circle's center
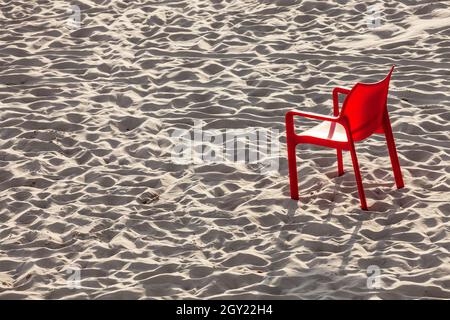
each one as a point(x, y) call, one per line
point(340, 162)
point(292, 162)
point(362, 196)
point(393, 153)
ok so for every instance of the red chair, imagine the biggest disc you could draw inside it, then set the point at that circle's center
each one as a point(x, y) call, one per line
point(364, 112)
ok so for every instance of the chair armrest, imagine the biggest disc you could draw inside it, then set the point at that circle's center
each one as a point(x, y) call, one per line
point(290, 120)
point(341, 90)
point(336, 91)
point(310, 115)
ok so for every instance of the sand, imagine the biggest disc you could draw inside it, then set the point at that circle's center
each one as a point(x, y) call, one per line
point(94, 206)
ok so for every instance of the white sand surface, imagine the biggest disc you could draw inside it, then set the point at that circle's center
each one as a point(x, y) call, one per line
point(87, 181)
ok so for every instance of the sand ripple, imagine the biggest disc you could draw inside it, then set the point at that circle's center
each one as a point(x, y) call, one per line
point(86, 177)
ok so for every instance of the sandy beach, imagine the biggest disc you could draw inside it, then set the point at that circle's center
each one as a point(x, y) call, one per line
point(94, 204)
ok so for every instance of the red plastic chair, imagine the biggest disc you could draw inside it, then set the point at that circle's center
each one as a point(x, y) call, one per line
point(364, 112)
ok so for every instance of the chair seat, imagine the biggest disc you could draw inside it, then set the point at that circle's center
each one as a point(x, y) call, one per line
point(326, 130)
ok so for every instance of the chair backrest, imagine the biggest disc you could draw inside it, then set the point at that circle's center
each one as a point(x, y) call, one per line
point(364, 107)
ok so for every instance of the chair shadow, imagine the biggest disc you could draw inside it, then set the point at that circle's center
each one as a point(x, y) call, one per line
point(336, 190)
point(292, 208)
point(351, 243)
point(356, 237)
